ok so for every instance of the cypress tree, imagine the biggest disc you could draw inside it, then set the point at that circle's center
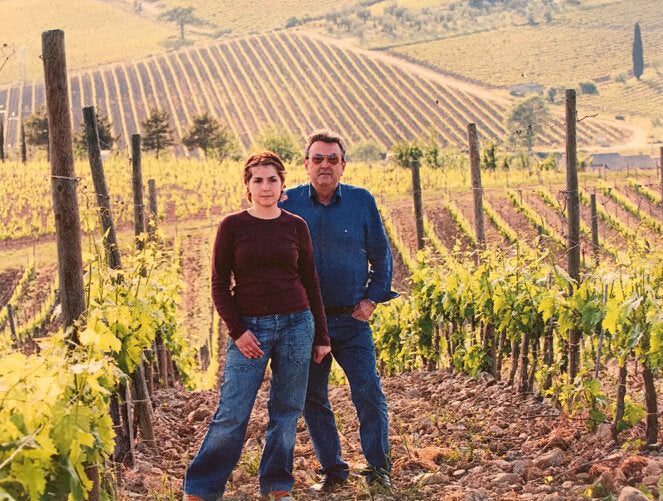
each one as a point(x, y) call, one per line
point(638, 61)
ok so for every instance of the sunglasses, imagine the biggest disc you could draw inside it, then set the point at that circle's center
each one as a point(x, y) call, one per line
point(332, 159)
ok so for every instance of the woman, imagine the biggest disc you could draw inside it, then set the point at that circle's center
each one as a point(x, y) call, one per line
point(274, 312)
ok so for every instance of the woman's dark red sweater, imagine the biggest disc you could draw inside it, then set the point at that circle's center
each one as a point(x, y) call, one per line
point(271, 262)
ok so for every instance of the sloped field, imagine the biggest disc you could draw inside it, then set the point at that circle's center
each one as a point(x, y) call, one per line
point(287, 78)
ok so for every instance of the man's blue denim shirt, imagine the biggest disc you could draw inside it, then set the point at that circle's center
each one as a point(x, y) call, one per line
point(350, 246)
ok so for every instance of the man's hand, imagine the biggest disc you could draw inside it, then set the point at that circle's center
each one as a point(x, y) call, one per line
point(320, 352)
point(248, 345)
point(363, 310)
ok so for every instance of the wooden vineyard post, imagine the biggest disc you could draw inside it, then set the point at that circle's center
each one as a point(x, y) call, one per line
point(524, 363)
point(2, 140)
point(661, 181)
point(477, 191)
point(477, 196)
point(137, 178)
point(651, 406)
point(418, 206)
point(573, 205)
point(152, 224)
point(24, 147)
point(63, 179)
point(160, 348)
point(120, 408)
point(620, 400)
point(12, 326)
point(100, 188)
point(141, 374)
point(65, 197)
point(595, 227)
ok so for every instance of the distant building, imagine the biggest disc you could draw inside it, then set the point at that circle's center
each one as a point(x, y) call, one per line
point(615, 161)
point(526, 88)
point(612, 161)
point(639, 161)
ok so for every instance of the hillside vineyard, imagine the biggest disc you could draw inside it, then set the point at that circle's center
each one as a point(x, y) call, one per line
point(291, 79)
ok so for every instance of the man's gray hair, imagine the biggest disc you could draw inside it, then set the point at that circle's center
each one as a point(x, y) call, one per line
point(326, 136)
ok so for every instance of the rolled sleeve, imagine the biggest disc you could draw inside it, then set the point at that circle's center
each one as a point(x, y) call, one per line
point(379, 257)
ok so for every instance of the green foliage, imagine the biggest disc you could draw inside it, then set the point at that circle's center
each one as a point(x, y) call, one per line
point(207, 133)
point(489, 157)
point(526, 121)
point(432, 154)
point(106, 138)
point(280, 140)
point(157, 133)
point(36, 128)
point(54, 419)
point(633, 414)
point(404, 153)
point(366, 151)
point(182, 16)
point(638, 58)
point(588, 88)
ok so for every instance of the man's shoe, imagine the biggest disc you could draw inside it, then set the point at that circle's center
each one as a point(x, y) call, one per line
point(377, 477)
point(280, 496)
point(327, 483)
point(381, 479)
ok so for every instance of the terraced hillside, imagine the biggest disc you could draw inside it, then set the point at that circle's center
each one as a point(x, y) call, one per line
point(299, 81)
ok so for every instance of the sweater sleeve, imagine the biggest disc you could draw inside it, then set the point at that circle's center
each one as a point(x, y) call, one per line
point(222, 265)
point(309, 278)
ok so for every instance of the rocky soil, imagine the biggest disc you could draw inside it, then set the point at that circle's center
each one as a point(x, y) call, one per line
point(453, 438)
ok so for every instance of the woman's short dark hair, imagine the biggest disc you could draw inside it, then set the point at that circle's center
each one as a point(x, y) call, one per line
point(263, 158)
point(326, 136)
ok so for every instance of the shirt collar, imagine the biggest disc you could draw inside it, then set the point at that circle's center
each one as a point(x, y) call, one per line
point(335, 197)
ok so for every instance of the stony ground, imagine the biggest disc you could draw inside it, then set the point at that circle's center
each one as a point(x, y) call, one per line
point(453, 437)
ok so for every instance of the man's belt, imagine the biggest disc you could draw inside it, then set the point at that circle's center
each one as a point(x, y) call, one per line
point(339, 310)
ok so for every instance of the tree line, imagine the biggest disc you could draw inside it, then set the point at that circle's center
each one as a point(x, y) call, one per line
point(205, 133)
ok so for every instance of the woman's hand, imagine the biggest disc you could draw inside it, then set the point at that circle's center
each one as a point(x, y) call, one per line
point(320, 352)
point(249, 345)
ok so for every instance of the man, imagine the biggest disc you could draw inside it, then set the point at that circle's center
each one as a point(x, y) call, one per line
point(348, 236)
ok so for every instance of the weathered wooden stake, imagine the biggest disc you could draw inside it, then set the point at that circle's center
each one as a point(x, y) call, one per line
point(100, 188)
point(477, 191)
point(65, 199)
point(661, 162)
point(137, 178)
point(595, 227)
point(152, 224)
point(2, 140)
point(143, 408)
point(418, 206)
point(63, 178)
point(524, 363)
point(573, 205)
point(24, 147)
point(650, 405)
point(162, 357)
point(12, 326)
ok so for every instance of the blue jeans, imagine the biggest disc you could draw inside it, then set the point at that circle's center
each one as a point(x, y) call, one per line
point(352, 347)
point(287, 340)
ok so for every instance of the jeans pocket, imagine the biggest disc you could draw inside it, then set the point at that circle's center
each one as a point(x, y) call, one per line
point(301, 338)
point(235, 359)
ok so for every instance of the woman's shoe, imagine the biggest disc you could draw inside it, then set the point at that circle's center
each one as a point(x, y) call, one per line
point(191, 497)
point(280, 496)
